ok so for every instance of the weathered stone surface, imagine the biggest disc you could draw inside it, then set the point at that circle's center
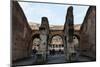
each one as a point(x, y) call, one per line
point(21, 33)
point(43, 34)
point(88, 33)
point(68, 32)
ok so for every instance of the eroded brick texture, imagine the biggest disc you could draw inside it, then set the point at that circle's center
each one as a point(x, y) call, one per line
point(21, 33)
point(88, 33)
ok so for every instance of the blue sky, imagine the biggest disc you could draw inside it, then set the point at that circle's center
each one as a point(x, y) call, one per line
point(55, 12)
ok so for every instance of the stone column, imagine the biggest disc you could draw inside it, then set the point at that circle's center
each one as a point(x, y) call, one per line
point(43, 44)
point(68, 31)
point(44, 31)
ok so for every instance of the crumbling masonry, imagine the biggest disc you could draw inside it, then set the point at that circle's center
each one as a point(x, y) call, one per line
point(22, 34)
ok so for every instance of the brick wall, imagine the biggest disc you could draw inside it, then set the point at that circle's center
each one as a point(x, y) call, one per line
point(88, 33)
point(21, 33)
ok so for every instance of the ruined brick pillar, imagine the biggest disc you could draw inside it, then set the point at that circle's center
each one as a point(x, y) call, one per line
point(70, 24)
point(44, 28)
point(68, 31)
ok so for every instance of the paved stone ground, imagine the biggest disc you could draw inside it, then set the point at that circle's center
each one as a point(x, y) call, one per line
point(28, 61)
point(55, 59)
point(61, 59)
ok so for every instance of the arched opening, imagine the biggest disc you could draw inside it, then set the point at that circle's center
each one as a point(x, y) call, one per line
point(36, 44)
point(76, 41)
point(56, 46)
point(77, 36)
point(73, 48)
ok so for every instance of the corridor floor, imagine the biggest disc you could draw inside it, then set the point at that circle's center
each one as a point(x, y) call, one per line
point(56, 59)
point(52, 59)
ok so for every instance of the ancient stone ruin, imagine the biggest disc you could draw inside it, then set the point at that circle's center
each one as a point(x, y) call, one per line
point(23, 35)
point(88, 34)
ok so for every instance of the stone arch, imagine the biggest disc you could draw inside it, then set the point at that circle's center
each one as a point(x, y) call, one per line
point(37, 35)
point(54, 46)
point(35, 42)
point(78, 37)
point(51, 36)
